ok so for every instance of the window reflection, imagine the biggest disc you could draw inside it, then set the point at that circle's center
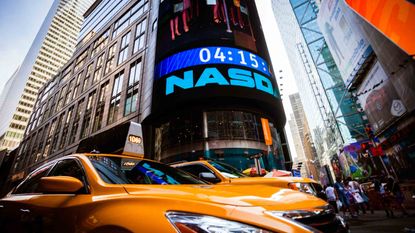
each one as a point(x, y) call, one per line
point(187, 128)
point(118, 170)
point(234, 125)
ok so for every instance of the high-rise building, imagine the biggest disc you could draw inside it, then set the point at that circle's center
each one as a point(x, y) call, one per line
point(298, 145)
point(199, 87)
point(299, 114)
point(320, 81)
point(310, 159)
point(52, 48)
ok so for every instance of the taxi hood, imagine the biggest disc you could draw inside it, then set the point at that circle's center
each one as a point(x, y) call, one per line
point(235, 195)
point(275, 182)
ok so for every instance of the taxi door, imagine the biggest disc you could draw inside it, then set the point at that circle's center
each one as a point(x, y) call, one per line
point(16, 210)
point(50, 212)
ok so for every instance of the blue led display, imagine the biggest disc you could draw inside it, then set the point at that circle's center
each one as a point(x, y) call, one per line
point(208, 56)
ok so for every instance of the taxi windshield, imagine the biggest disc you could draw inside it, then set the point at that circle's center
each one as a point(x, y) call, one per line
point(120, 170)
point(227, 170)
point(303, 187)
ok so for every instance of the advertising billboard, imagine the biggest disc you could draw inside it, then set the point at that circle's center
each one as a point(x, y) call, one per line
point(345, 40)
point(379, 99)
point(212, 52)
point(394, 18)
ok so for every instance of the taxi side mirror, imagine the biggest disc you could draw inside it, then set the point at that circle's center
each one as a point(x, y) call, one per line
point(59, 184)
point(209, 177)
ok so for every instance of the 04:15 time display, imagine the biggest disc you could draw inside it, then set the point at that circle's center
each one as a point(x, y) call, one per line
point(228, 55)
point(212, 55)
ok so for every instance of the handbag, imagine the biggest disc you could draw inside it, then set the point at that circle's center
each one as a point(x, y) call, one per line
point(358, 198)
point(339, 204)
point(365, 197)
point(210, 2)
point(178, 7)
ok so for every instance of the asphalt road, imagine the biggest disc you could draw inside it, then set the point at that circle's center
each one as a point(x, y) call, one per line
point(378, 222)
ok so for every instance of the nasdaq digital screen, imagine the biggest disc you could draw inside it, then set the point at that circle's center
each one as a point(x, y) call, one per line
point(211, 50)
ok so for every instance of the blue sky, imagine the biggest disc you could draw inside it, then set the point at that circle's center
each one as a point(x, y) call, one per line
point(20, 20)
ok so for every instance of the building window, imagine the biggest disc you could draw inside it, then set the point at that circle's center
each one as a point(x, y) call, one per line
point(115, 98)
point(65, 128)
point(110, 59)
point(80, 61)
point(69, 93)
point(133, 87)
point(66, 77)
point(85, 84)
point(61, 100)
point(91, 100)
point(40, 140)
point(123, 54)
point(100, 107)
point(75, 124)
point(225, 125)
point(51, 132)
point(57, 133)
point(86, 123)
point(77, 84)
point(100, 43)
point(129, 17)
point(139, 38)
point(98, 69)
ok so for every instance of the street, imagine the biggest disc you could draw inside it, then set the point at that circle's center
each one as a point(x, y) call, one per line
point(378, 222)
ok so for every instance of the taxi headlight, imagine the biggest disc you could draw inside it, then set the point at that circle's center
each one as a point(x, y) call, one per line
point(300, 214)
point(189, 222)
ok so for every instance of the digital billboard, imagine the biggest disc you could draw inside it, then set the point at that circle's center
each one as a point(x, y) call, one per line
point(212, 52)
point(379, 99)
point(394, 18)
point(344, 38)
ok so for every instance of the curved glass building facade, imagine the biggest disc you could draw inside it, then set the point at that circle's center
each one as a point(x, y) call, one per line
point(213, 87)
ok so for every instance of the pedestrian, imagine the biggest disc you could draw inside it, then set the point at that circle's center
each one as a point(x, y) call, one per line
point(356, 192)
point(352, 200)
point(384, 196)
point(395, 189)
point(332, 197)
point(341, 193)
point(366, 199)
point(320, 192)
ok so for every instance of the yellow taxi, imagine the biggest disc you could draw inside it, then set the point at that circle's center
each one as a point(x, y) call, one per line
point(221, 173)
point(217, 172)
point(302, 184)
point(115, 193)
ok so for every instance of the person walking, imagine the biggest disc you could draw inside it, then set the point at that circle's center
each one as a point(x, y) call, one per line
point(395, 190)
point(341, 194)
point(384, 197)
point(356, 192)
point(332, 197)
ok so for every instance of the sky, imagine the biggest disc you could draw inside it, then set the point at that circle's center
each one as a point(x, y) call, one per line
point(20, 20)
point(279, 61)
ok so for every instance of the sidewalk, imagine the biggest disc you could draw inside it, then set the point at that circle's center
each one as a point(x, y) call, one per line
point(378, 222)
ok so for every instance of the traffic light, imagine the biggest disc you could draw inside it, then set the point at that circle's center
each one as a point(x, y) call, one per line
point(364, 146)
point(369, 131)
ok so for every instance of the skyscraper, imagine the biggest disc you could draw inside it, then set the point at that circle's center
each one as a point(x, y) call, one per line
point(52, 48)
point(320, 81)
point(298, 145)
point(310, 158)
